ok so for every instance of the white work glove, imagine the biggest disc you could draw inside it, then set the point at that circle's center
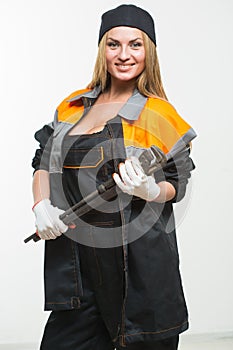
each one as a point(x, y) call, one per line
point(135, 182)
point(48, 224)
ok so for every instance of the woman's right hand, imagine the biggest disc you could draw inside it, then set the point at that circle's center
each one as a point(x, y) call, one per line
point(48, 224)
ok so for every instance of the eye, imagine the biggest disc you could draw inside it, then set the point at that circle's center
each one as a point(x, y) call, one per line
point(112, 44)
point(136, 44)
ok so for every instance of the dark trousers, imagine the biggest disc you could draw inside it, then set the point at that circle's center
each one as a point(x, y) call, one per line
point(75, 330)
point(89, 327)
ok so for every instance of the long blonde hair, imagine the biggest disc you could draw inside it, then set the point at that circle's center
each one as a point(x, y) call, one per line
point(149, 82)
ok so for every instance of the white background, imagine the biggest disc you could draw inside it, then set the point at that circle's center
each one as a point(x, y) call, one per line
point(48, 49)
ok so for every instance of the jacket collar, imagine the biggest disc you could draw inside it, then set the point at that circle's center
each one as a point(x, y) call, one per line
point(131, 109)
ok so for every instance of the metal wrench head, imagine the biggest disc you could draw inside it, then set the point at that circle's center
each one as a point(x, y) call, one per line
point(152, 159)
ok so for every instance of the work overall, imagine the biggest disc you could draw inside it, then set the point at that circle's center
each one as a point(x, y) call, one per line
point(123, 256)
point(90, 160)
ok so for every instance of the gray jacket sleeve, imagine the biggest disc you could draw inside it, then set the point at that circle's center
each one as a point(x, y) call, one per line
point(177, 171)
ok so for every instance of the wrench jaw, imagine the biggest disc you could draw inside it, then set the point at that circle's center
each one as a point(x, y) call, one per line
point(152, 160)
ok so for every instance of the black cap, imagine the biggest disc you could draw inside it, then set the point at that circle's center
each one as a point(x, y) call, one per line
point(129, 16)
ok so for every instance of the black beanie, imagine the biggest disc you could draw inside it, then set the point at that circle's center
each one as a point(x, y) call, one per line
point(128, 16)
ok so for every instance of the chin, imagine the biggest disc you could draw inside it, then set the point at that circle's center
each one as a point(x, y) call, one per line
point(125, 78)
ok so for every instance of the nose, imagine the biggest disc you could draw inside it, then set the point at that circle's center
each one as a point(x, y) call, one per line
point(124, 53)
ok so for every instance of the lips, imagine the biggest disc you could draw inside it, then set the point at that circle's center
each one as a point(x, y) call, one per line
point(124, 67)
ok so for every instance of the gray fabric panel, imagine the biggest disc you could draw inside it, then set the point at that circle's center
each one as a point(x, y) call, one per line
point(131, 110)
point(182, 143)
point(89, 94)
point(61, 130)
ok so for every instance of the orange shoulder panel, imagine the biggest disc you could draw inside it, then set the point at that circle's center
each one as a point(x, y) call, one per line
point(166, 110)
point(70, 112)
point(159, 124)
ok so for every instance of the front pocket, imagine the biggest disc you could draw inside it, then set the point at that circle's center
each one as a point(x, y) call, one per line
point(84, 158)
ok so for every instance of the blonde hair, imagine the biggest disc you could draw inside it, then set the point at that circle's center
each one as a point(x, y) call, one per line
point(149, 82)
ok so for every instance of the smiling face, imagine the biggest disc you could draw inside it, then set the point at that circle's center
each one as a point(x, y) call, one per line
point(125, 54)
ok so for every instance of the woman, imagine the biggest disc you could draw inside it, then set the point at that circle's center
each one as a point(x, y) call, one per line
point(112, 279)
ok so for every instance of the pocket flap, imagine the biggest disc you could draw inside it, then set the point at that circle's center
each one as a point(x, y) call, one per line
point(84, 158)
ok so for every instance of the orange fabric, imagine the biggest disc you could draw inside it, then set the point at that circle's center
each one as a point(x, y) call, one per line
point(70, 112)
point(159, 124)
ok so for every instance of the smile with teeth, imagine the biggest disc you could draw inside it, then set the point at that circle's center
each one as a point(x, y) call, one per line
point(124, 66)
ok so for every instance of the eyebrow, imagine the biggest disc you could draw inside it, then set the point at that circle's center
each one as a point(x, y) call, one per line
point(129, 41)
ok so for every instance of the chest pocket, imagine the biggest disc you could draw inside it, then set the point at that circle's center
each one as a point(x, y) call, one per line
point(84, 158)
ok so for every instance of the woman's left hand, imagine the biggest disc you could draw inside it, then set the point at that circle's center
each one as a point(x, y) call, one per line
point(134, 181)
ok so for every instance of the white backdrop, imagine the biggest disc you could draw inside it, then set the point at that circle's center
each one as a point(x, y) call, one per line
point(48, 49)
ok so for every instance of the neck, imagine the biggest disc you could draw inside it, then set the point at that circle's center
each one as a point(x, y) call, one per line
point(120, 90)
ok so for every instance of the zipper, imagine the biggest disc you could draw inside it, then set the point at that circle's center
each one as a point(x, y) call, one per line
point(124, 243)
